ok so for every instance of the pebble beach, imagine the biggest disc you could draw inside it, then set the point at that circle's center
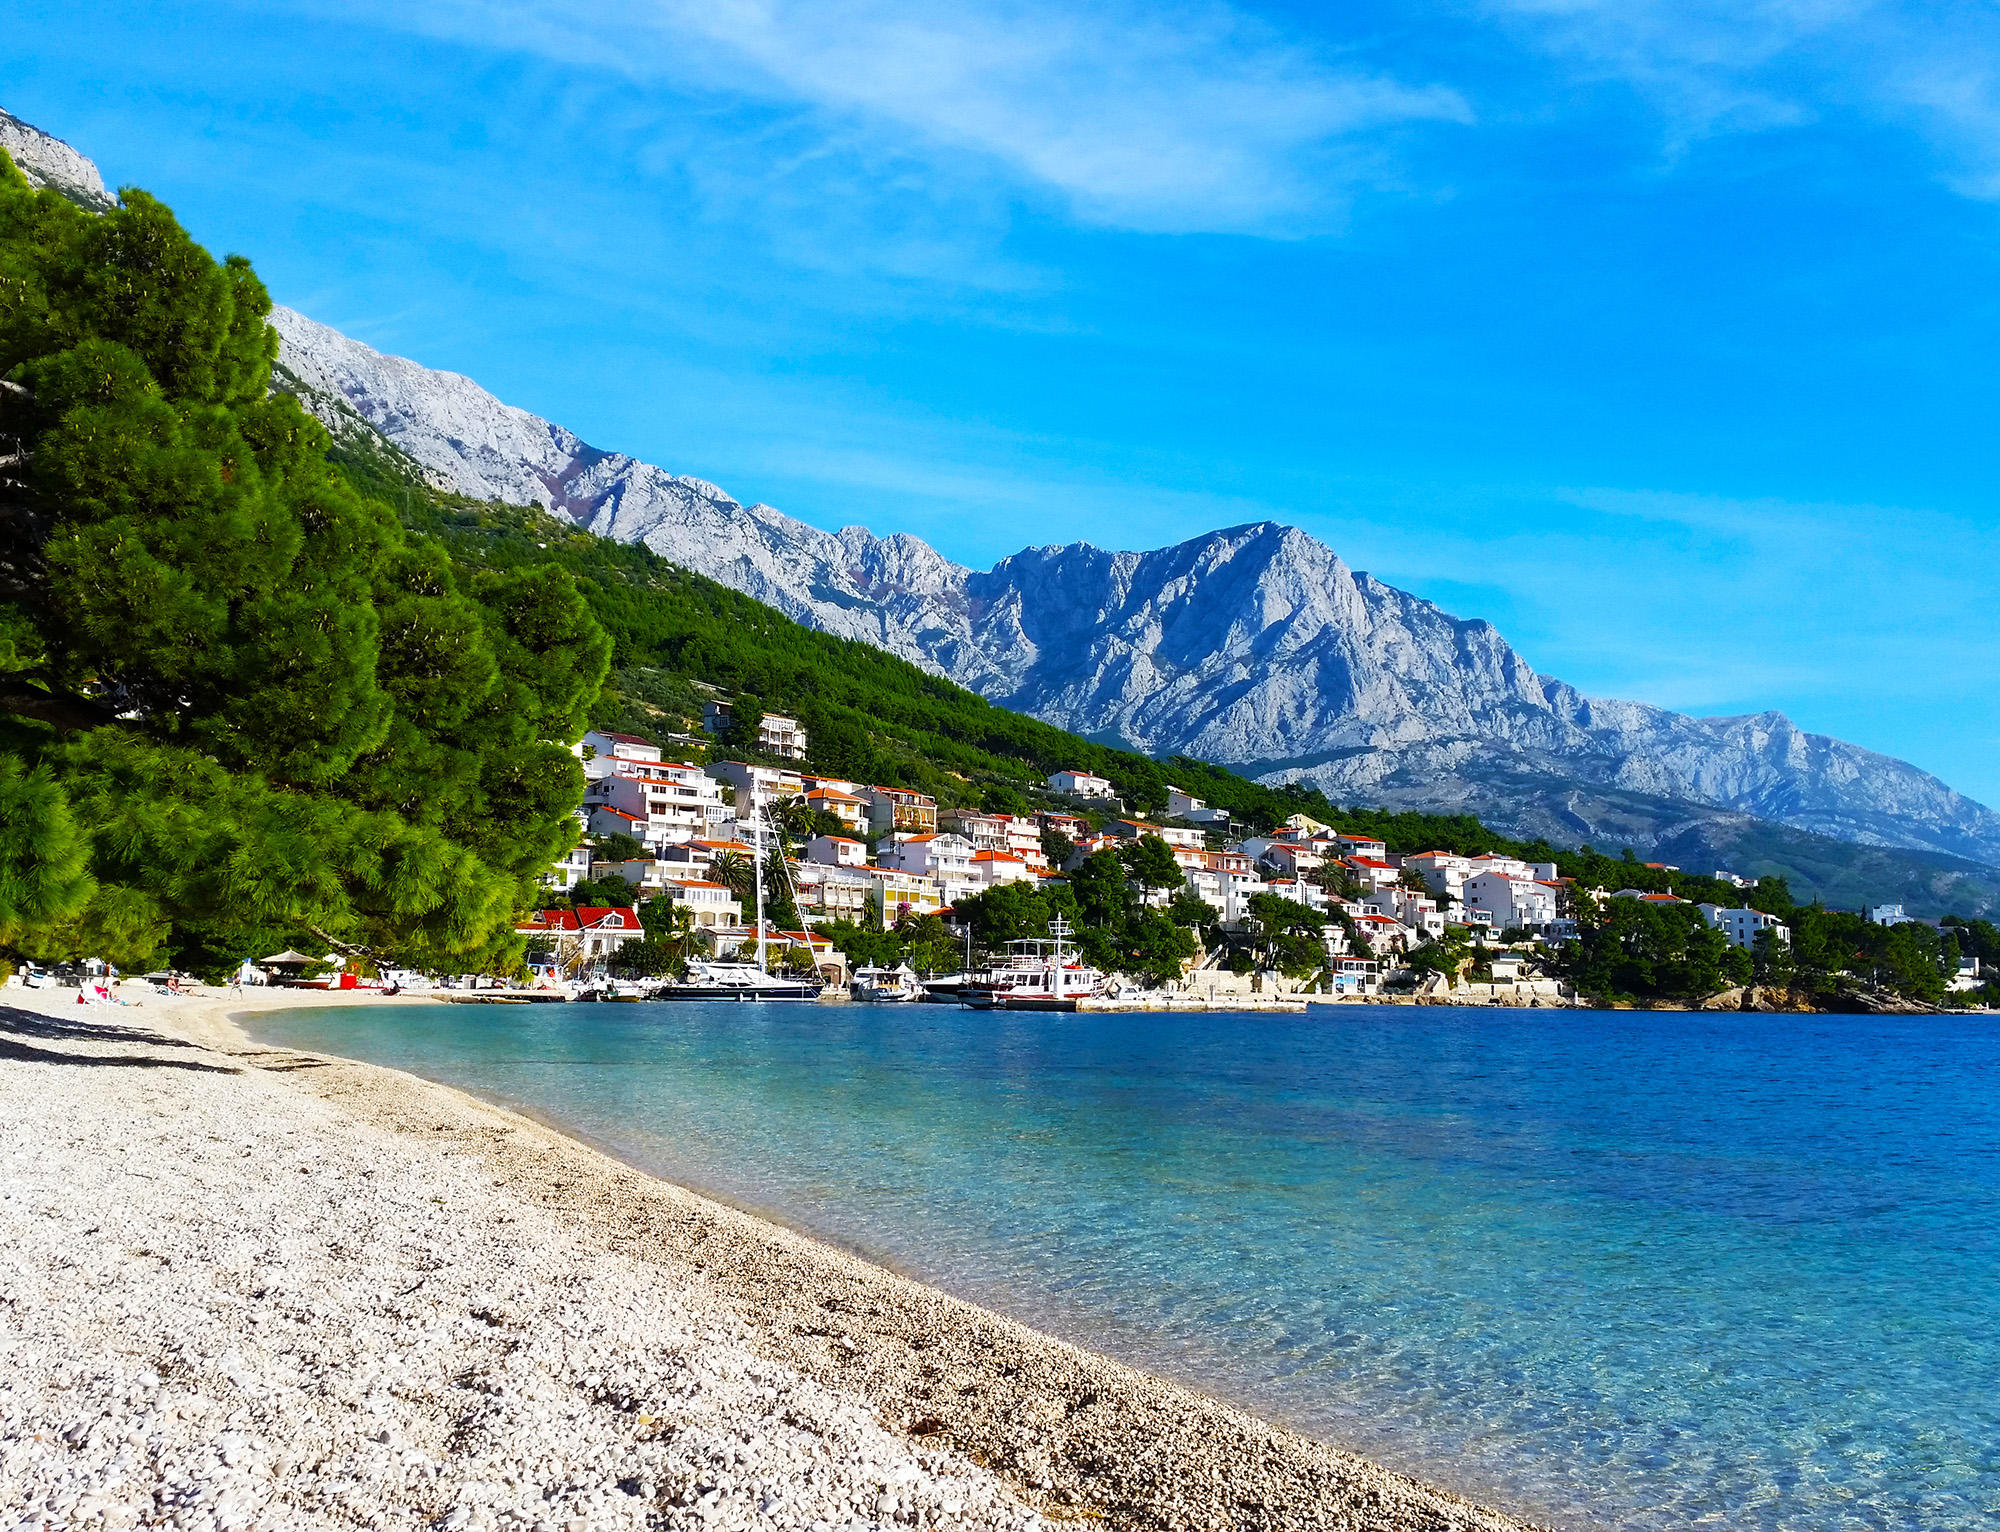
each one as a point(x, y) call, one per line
point(244, 1287)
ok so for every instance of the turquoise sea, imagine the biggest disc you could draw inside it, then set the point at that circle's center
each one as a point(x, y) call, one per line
point(1604, 1268)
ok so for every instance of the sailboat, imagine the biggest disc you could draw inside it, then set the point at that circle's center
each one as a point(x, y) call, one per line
point(714, 979)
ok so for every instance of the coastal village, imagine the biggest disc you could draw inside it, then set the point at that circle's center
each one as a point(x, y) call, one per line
point(677, 834)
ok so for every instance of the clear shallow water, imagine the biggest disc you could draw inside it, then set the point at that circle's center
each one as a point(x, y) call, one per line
point(1606, 1268)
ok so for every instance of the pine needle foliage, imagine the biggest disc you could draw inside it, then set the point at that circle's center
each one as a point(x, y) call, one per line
point(239, 707)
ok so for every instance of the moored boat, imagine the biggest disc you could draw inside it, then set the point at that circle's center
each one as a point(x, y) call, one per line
point(734, 981)
point(885, 985)
point(1036, 976)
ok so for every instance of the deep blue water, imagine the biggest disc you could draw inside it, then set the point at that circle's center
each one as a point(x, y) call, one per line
point(1606, 1268)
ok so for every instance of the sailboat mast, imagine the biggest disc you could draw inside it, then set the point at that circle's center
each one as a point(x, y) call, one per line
point(757, 833)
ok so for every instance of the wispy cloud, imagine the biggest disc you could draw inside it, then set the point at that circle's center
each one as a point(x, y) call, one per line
point(1713, 67)
point(1191, 117)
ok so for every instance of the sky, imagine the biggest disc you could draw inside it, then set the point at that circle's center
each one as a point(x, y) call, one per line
point(1661, 335)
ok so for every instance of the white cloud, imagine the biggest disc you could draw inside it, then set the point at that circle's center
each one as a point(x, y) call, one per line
point(1190, 117)
point(1712, 67)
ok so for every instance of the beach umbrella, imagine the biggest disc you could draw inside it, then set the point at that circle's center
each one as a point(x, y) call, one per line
point(287, 959)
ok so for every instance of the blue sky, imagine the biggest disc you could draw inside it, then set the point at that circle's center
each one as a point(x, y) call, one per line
point(1663, 335)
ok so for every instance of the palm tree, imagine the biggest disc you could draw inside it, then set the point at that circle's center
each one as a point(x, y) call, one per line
point(736, 871)
point(793, 816)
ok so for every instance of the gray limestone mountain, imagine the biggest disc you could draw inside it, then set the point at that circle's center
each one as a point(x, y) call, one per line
point(49, 162)
point(1254, 646)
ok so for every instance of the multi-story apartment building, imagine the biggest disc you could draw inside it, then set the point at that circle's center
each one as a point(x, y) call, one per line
point(1064, 824)
point(896, 893)
point(1511, 900)
point(851, 809)
point(711, 906)
point(776, 734)
point(992, 868)
point(1444, 873)
point(827, 892)
point(1180, 805)
point(1744, 926)
point(900, 810)
point(755, 786)
point(836, 851)
point(1080, 784)
point(605, 752)
point(669, 801)
point(986, 832)
point(944, 858)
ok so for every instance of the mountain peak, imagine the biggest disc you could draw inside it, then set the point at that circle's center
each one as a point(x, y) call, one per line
point(1253, 645)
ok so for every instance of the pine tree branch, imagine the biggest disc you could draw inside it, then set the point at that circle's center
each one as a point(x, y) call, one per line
point(67, 714)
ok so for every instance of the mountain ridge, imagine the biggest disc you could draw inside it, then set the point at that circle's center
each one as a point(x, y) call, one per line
point(1255, 646)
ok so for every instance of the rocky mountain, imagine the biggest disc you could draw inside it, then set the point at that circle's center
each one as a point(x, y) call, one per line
point(49, 162)
point(1254, 646)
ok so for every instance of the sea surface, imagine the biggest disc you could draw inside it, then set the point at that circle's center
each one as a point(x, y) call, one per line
point(1602, 1268)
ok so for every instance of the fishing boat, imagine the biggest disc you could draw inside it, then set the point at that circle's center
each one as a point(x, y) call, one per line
point(1036, 976)
point(885, 985)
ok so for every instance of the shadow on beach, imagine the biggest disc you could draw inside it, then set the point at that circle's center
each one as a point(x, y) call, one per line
point(17, 1024)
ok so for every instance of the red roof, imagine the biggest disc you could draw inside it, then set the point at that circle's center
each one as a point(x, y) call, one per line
point(1369, 861)
point(579, 920)
point(632, 739)
point(605, 808)
point(598, 914)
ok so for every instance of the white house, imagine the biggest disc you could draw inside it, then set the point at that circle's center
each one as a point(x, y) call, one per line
point(1511, 900)
point(1886, 915)
point(1418, 912)
point(608, 751)
point(987, 832)
point(1742, 927)
point(836, 851)
point(1444, 873)
point(1359, 845)
point(757, 786)
point(1372, 873)
point(1181, 806)
point(1024, 839)
point(574, 865)
point(941, 856)
point(642, 874)
point(992, 868)
point(671, 801)
point(1380, 933)
point(1206, 885)
point(710, 905)
point(1080, 784)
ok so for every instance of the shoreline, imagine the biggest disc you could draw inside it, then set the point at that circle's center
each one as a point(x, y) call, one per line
point(1048, 1428)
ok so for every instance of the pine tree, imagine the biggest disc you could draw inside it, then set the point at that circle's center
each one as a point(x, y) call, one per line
point(239, 708)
